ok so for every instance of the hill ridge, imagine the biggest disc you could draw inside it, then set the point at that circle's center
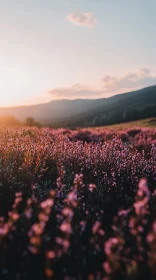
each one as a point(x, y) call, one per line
point(122, 107)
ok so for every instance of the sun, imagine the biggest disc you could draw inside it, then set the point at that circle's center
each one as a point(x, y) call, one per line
point(8, 84)
point(19, 86)
point(11, 86)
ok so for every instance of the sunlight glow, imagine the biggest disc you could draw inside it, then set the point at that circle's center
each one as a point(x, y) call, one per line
point(18, 87)
point(11, 80)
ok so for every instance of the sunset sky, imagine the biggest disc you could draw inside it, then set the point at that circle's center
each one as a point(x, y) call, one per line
point(52, 49)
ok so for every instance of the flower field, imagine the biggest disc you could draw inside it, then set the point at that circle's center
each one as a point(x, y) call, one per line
point(77, 204)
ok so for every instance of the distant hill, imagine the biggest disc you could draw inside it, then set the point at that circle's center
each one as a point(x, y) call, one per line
point(90, 112)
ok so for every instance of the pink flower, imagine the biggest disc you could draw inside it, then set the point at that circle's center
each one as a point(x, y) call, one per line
point(109, 244)
point(124, 212)
point(96, 227)
point(107, 267)
point(50, 255)
point(15, 216)
point(92, 187)
point(68, 212)
point(47, 203)
point(65, 227)
point(72, 196)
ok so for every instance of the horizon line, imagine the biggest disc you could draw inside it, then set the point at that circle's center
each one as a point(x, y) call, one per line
point(73, 99)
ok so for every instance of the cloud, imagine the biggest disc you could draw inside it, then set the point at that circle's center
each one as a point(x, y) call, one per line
point(111, 85)
point(82, 19)
point(75, 91)
point(131, 81)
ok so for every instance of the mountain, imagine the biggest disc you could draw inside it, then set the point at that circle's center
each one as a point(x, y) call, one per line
point(90, 112)
point(54, 110)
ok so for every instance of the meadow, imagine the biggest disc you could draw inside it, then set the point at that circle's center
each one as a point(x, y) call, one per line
point(77, 204)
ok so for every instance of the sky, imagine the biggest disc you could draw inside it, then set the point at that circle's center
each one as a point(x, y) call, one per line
point(58, 49)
